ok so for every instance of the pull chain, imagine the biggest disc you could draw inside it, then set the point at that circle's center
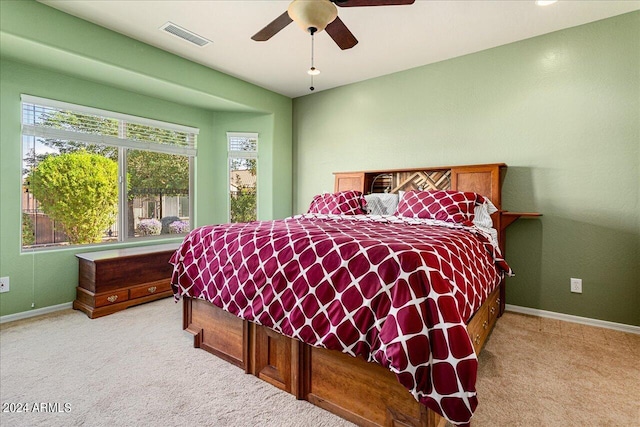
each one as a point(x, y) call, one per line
point(312, 71)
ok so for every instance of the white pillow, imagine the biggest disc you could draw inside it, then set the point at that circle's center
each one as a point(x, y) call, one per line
point(482, 214)
point(381, 203)
point(482, 219)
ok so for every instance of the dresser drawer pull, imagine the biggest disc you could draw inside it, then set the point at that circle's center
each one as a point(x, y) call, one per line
point(493, 310)
point(498, 301)
point(152, 289)
point(485, 324)
point(112, 298)
point(477, 340)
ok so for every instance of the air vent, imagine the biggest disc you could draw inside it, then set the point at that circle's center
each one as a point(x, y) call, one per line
point(187, 35)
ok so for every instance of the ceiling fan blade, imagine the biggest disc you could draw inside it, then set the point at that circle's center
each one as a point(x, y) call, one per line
point(356, 3)
point(341, 34)
point(273, 28)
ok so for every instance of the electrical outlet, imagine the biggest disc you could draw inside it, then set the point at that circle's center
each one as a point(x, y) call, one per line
point(4, 284)
point(576, 285)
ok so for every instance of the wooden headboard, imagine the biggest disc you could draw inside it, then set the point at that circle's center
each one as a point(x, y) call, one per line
point(481, 179)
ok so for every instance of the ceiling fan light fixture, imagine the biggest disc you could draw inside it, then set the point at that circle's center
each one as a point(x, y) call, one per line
point(312, 13)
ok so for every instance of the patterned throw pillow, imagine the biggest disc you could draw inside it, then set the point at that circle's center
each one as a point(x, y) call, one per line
point(343, 202)
point(444, 205)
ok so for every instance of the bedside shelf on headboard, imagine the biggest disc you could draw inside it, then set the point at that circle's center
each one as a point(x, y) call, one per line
point(507, 217)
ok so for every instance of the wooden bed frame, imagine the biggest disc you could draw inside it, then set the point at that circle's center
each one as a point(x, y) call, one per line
point(352, 388)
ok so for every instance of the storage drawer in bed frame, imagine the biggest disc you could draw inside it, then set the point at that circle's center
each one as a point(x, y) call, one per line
point(327, 378)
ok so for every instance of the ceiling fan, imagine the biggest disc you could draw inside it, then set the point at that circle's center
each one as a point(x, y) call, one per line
point(317, 15)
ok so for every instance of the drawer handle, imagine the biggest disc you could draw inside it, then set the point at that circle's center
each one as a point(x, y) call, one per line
point(112, 298)
point(498, 301)
point(485, 324)
point(477, 340)
point(152, 289)
point(493, 310)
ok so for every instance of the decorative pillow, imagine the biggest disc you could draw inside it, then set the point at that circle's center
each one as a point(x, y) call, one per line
point(444, 205)
point(482, 219)
point(343, 202)
point(381, 203)
point(482, 214)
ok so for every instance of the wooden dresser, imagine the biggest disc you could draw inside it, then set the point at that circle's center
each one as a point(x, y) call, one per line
point(115, 279)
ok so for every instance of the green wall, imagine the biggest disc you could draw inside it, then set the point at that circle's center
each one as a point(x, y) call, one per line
point(561, 110)
point(44, 52)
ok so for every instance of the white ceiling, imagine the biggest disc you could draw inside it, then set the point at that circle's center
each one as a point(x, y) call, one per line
point(391, 38)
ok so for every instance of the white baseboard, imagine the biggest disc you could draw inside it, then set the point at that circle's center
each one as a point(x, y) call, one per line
point(509, 307)
point(36, 312)
point(575, 319)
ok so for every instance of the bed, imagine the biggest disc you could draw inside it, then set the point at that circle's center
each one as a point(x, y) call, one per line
point(377, 319)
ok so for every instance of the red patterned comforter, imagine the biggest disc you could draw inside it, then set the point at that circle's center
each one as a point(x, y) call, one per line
point(396, 291)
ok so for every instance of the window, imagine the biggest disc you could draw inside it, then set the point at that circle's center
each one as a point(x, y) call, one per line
point(243, 183)
point(92, 176)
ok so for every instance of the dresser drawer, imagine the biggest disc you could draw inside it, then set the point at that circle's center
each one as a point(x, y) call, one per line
point(478, 327)
point(494, 306)
point(150, 289)
point(111, 298)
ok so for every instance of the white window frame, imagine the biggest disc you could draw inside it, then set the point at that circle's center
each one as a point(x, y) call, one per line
point(242, 154)
point(122, 143)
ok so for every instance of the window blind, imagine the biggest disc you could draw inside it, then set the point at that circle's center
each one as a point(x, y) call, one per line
point(46, 118)
point(243, 144)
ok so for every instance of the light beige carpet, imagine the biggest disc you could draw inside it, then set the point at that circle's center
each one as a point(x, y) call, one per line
point(543, 372)
point(137, 367)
